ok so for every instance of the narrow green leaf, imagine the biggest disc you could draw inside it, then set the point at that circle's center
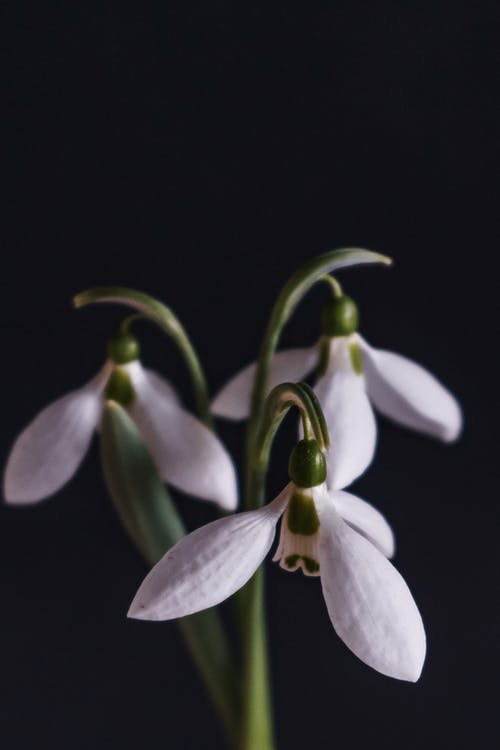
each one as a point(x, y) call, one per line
point(139, 495)
point(150, 517)
point(163, 316)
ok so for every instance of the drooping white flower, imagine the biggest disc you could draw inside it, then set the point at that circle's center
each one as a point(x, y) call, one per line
point(187, 454)
point(331, 534)
point(352, 378)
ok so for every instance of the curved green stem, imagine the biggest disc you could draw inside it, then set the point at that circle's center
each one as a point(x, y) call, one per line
point(291, 294)
point(154, 310)
point(277, 405)
point(258, 732)
point(334, 285)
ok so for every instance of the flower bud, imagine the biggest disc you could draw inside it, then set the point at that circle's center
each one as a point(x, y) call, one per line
point(307, 465)
point(123, 348)
point(339, 317)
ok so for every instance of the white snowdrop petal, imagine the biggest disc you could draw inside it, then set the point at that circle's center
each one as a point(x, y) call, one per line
point(50, 449)
point(208, 565)
point(233, 400)
point(351, 424)
point(162, 386)
point(365, 519)
point(369, 603)
point(188, 455)
point(407, 393)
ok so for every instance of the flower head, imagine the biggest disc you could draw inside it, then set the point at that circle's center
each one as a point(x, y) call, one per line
point(187, 454)
point(352, 378)
point(331, 534)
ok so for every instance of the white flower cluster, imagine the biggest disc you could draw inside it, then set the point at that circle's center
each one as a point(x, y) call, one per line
point(325, 531)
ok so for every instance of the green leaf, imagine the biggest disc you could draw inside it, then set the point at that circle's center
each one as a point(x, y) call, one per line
point(156, 311)
point(151, 519)
point(139, 495)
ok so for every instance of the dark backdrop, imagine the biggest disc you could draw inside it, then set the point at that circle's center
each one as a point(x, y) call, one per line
point(201, 151)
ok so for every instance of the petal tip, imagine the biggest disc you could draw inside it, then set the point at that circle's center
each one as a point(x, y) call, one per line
point(139, 611)
point(452, 431)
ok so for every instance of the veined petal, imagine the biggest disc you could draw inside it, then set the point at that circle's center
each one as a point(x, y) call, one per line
point(351, 424)
point(50, 449)
point(407, 393)
point(369, 603)
point(233, 400)
point(365, 519)
point(188, 455)
point(208, 565)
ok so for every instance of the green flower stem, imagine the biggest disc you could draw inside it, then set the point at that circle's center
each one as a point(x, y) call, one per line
point(154, 310)
point(290, 296)
point(257, 714)
point(334, 285)
point(151, 520)
point(257, 723)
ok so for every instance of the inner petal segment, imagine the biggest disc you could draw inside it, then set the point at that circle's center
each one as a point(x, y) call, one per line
point(299, 536)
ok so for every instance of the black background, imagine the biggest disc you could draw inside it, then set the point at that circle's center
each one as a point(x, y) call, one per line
point(201, 151)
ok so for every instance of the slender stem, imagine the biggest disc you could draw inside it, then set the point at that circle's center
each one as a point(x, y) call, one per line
point(257, 716)
point(154, 310)
point(127, 322)
point(333, 284)
point(257, 723)
point(291, 294)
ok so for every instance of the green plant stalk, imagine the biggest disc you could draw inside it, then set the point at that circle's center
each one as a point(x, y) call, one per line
point(290, 296)
point(257, 720)
point(151, 520)
point(154, 310)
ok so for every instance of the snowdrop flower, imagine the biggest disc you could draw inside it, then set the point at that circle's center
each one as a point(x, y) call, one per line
point(331, 534)
point(187, 454)
point(353, 377)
